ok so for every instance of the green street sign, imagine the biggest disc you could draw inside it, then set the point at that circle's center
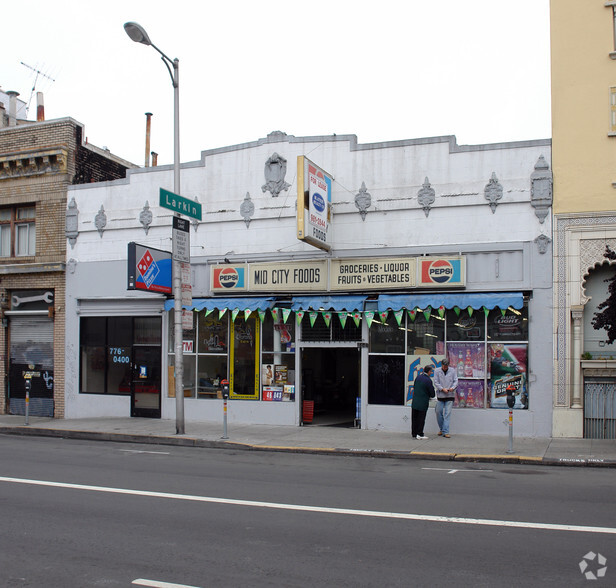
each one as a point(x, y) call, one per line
point(180, 204)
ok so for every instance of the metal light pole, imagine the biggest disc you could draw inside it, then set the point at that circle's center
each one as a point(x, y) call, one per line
point(137, 33)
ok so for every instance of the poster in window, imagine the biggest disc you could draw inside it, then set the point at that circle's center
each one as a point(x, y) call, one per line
point(469, 394)
point(273, 393)
point(267, 374)
point(468, 359)
point(507, 369)
point(414, 365)
point(281, 375)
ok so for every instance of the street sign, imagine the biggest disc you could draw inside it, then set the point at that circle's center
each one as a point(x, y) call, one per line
point(186, 284)
point(181, 239)
point(180, 204)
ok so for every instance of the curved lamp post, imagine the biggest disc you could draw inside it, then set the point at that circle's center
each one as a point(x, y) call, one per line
point(137, 33)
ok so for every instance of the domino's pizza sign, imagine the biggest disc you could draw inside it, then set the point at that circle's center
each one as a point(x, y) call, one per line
point(437, 272)
point(149, 269)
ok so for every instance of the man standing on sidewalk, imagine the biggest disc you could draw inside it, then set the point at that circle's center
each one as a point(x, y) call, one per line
point(423, 390)
point(445, 382)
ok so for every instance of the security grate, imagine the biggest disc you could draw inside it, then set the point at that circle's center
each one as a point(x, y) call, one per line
point(600, 410)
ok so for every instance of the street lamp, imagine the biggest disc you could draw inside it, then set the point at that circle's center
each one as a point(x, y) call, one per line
point(137, 33)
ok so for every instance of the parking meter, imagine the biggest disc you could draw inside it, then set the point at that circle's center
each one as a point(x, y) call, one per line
point(510, 396)
point(28, 387)
point(510, 403)
point(225, 395)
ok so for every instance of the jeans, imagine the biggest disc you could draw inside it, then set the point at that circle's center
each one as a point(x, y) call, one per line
point(443, 412)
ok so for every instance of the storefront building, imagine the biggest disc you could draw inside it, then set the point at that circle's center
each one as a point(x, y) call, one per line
point(39, 159)
point(584, 142)
point(320, 305)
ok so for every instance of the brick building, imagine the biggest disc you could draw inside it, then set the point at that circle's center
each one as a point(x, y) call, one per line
point(38, 161)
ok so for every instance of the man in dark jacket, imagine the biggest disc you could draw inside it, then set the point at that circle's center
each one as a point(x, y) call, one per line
point(423, 390)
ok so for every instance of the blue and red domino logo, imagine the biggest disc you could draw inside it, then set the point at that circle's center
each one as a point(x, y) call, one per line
point(441, 271)
point(229, 277)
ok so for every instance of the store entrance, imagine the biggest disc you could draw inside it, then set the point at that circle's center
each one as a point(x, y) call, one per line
point(330, 379)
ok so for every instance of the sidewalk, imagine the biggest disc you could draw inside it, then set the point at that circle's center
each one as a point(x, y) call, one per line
point(322, 439)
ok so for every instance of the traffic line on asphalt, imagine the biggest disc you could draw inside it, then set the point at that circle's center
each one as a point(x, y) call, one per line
point(142, 451)
point(157, 584)
point(317, 509)
point(450, 471)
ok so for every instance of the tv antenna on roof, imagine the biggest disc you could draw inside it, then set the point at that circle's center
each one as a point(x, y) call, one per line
point(38, 73)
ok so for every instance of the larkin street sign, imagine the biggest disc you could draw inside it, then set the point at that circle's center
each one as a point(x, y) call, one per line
point(180, 204)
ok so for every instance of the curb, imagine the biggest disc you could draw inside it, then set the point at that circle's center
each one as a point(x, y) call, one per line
point(183, 441)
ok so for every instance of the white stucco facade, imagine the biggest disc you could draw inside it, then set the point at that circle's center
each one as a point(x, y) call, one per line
point(506, 246)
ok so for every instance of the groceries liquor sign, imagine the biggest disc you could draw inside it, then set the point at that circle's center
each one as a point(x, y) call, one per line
point(354, 274)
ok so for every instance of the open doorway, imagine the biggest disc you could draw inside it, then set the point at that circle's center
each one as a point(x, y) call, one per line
point(330, 378)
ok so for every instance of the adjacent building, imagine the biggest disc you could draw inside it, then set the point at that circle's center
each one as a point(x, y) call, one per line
point(324, 273)
point(583, 53)
point(39, 160)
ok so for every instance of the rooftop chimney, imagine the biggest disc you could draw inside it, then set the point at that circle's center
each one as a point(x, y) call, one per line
point(154, 159)
point(148, 124)
point(40, 107)
point(2, 109)
point(12, 107)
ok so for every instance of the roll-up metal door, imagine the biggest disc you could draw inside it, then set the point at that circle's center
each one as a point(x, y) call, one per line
point(31, 350)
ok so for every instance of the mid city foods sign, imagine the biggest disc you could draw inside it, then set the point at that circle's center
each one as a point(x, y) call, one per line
point(332, 275)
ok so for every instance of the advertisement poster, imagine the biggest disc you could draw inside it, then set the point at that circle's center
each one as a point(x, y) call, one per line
point(470, 394)
point(267, 374)
point(288, 394)
point(414, 364)
point(281, 375)
point(507, 368)
point(273, 393)
point(468, 359)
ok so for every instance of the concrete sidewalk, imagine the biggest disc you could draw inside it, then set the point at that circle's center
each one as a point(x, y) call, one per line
point(322, 439)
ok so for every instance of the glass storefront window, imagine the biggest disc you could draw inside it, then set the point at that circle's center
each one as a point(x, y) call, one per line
point(511, 326)
point(212, 334)
point(212, 369)
point(386, 337)
point(466, 327)
point(386, 379)
point(425, 336)
point(107, 349)
point(470, 347)
point(244, 381)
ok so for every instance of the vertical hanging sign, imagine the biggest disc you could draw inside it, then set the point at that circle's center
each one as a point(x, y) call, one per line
point(314, 204)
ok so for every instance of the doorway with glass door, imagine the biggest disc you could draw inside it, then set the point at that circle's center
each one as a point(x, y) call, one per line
point(145, 388)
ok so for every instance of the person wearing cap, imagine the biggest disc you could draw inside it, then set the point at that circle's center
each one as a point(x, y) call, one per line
point(423, 390)
point(445, 383)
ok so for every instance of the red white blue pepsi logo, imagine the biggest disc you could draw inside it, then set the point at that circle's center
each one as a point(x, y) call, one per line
point(440, 271)
point(229, 277)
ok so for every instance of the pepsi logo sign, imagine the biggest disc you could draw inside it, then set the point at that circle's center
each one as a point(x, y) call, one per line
point(318, 202)
point(228, 277)
point(440, 271)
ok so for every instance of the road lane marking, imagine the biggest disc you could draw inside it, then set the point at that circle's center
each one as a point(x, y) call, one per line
point(317, 509)
point(142, 451)
point(450, 471)
point(157, 584)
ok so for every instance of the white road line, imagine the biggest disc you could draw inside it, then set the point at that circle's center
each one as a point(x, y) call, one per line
point(156, 584)
point(141, 451)
point(449, 471)
point(319, 509)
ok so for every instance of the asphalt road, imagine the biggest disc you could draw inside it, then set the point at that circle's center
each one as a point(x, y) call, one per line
point(81, 514)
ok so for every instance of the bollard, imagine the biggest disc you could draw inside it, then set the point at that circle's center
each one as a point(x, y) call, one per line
point(225, 395)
